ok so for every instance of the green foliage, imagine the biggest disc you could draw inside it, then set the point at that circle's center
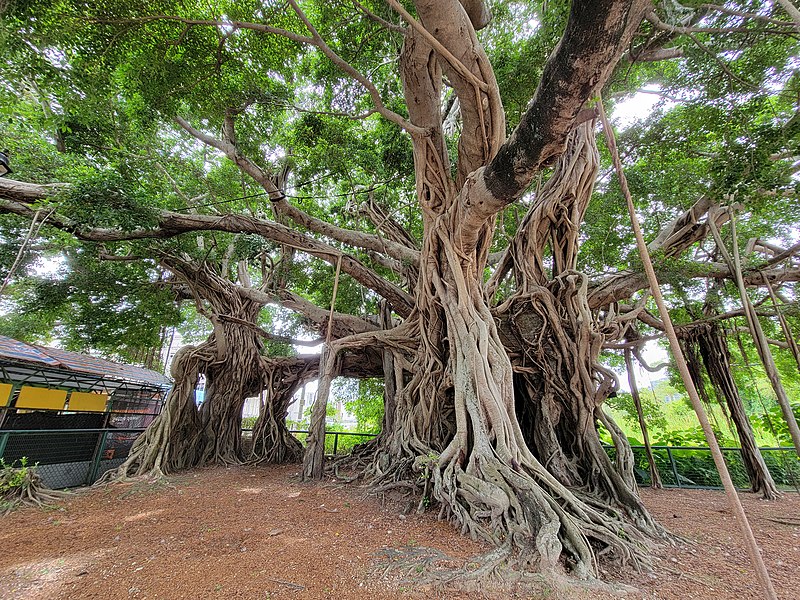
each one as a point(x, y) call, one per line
point(363, 398)
point(772, 423)
point(12, 476)
point(623, 402)
point(117, 309)
point(106, 200)
point(693, 437)
point(14, 483)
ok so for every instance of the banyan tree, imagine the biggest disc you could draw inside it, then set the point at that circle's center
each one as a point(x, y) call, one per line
point(417, 181)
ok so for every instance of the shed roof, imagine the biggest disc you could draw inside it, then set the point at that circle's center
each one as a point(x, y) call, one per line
point(34, 354)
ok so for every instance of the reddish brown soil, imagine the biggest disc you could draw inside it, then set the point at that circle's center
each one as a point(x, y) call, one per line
point(257, 533)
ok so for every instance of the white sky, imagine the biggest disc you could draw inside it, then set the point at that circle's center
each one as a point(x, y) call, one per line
point(637, 107)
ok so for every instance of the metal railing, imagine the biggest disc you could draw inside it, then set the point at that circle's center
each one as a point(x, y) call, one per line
point(332, 444)
point(75, 457)
point(693, 466)
point(335, 446)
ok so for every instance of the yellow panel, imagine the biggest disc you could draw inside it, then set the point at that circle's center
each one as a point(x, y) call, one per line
point(5, 393)
point(87, 401)
point(35, 397)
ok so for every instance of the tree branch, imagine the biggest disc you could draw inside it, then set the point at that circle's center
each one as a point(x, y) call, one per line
point(347, 68)
point(171, 224)
point(278, 198)
point(449, 30)
point(596, 35)
point(343, 324)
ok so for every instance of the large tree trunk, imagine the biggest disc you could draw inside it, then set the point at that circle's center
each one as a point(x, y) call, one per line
point(161, 449)
point(182, 436)
point(237, 371)
point(456, 437)
point(554, 341)
point(457, 430)
point(560, 388)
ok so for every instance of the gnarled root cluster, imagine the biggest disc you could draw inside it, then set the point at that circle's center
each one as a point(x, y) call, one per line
point(22, 486)
point(457, 440)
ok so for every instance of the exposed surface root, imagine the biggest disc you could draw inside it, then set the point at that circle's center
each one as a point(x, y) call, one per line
point(494, 572)
point(22, 486)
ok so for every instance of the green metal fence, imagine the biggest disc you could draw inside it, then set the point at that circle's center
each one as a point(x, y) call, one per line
point(68, 457)
point(336, 442)
point(75, 457)
point(693, 466)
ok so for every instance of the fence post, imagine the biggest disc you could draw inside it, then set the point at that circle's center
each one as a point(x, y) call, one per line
point(3, 442)
point(98, 453)
point(674, 468)
point(335, 442)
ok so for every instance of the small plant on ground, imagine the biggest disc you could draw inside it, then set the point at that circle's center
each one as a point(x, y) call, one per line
point(22, 486)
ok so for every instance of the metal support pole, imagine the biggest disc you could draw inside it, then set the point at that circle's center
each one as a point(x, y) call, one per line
point(98, 454)
point(7, 406)
point(674, 468)
point(3, 441)
point(335, 442)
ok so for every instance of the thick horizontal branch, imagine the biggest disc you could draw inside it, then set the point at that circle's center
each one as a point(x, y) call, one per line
point(655, 55)
point(621, 286)
point(171, 224)
point(361, 363)
point(273, 337)
point(22, 191)
point(343, 324)
point(350, 237)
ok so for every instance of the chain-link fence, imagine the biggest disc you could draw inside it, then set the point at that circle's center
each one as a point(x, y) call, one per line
point(75, 457)
point(68, 457)
point(693, 466)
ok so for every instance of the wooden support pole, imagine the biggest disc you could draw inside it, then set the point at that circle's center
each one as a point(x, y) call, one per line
point(791, 10)
point(762, 345)
point(736, 506)
point(787, 331)
point(314, 457)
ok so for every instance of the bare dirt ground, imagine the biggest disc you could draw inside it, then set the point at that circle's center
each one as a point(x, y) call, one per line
point(258, 533)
